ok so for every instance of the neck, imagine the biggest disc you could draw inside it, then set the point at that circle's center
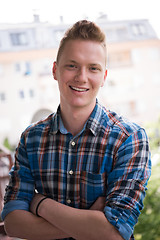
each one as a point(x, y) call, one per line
point(74, 119)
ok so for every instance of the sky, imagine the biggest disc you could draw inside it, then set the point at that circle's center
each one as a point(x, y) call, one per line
point(16, 11)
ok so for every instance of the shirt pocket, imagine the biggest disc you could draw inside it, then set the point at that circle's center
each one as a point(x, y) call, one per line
point(92, 186)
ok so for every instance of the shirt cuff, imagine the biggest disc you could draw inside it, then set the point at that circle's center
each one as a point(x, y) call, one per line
point(14, 205)
point(123, 220)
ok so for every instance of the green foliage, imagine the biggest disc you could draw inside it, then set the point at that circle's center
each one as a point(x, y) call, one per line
point(148, 227)
point(7, 144)
point(153, 131)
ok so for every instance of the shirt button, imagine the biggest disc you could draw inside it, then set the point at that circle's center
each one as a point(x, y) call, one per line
point(68, 201)
point(70, 172)
point(73, 143)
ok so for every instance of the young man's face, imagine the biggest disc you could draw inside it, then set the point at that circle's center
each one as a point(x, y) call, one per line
point(80, 73)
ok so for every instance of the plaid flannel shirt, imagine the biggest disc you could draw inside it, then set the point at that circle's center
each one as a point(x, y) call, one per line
point(109, 157)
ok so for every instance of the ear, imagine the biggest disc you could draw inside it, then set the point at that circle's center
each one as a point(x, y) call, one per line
point(105, 75)
point(54, 70)
point(104, 79)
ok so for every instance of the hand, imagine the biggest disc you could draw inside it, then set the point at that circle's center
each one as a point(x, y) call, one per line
point(36, 199)
point(99, 204)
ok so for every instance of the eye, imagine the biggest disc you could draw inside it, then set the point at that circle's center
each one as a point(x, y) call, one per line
point(71, 66)
point(95, 69)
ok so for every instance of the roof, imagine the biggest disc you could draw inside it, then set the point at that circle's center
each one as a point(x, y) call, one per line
point(43, 35)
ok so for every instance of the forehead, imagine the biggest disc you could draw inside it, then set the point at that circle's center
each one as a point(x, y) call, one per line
point(83, 50)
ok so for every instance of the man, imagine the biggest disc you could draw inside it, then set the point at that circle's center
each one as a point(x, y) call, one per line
point(89, 166)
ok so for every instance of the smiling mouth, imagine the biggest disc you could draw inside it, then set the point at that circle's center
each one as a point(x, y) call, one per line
point(79, 89)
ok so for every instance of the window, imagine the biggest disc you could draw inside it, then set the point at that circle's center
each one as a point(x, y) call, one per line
point(2, 96)
point(21, 94)
point(18, 67)
point(19, 39)
point(31, 93)
point(138, 29)
point(27, 68)
point(23, 68)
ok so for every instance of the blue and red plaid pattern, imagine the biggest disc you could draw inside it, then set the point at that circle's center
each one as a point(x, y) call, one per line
point(109, 157)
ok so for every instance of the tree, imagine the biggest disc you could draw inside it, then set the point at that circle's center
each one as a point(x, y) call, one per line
point(148, 227)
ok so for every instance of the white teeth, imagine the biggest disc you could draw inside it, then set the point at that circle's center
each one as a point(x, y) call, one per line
point(79, 89)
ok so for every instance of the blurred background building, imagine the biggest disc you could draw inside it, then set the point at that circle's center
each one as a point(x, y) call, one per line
point(28, 91)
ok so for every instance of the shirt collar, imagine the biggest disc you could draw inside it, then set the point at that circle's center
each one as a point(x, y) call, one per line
point(95, 118)
point(93, 123)
point(55, 121)
point(62, 128)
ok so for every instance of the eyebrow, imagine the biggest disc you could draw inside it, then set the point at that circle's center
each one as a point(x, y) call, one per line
point(95, 64)
point(73, 61)
point(90, 64)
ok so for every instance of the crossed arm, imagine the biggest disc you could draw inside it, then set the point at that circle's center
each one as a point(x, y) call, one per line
point(59, 221)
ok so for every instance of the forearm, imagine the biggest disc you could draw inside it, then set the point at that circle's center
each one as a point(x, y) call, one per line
point(78, 223)
point(25, 225)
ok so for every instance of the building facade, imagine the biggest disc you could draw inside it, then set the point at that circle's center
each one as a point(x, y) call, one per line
point(28, 91)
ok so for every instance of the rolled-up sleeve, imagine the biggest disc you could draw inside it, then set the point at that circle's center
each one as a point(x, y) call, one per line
point(20, 189)
point(14, 205)
point(127, 183)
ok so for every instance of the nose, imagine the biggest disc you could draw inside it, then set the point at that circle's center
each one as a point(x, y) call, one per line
point(81, 75)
